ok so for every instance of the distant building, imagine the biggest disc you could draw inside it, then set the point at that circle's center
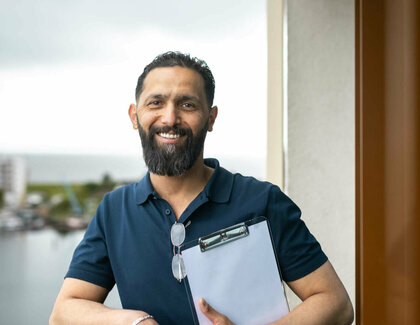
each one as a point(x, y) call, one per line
point(13, 181)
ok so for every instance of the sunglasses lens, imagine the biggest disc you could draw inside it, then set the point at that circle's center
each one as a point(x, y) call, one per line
point(177, 234)
point(178, 267)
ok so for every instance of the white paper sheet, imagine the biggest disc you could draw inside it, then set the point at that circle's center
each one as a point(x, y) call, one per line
point(239, 279)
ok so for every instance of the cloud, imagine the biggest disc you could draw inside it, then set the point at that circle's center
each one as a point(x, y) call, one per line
point(56, 32)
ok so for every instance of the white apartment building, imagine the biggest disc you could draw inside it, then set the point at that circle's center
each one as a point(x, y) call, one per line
point(13, 181)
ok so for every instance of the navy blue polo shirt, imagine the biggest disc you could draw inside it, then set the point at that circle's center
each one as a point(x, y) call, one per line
point(128, 240)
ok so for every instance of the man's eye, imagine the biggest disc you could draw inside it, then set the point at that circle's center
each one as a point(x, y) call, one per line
point(188, 105)
point(155, 102)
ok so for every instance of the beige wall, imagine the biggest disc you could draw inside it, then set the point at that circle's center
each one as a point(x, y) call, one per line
point(320, 125)
point(275, 156)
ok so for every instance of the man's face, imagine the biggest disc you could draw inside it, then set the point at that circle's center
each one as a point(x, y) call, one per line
point(173, 118)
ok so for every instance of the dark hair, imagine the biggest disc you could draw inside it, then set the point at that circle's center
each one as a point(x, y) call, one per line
point(172, 59)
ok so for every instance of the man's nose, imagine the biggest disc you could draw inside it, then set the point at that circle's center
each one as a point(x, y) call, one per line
point(170, 115)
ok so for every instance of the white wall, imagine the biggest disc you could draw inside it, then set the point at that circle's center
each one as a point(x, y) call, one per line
point(321, 157)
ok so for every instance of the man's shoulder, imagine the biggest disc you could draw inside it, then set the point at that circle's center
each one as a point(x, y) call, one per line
point(121, 192)
point(251, 182)
point(113, 203)
point(249, 185)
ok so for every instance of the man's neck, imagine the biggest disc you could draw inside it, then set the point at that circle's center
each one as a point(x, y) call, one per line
point(179, 191)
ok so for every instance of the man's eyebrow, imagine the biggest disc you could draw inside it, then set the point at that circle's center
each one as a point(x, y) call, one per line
point(155, 96)
point(187, 97)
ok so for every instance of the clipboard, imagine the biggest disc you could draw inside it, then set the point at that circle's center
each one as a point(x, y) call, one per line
point(236, 271)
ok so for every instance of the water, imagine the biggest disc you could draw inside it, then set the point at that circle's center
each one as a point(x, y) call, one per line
point(59, 168)
point(32, 267)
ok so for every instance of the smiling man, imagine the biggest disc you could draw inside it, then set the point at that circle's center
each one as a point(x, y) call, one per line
point(133, 237)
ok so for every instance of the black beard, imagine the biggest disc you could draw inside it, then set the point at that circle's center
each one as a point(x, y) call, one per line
point(171, 159)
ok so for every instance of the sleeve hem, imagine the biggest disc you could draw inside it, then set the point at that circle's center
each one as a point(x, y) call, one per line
point(91, 277)
point(298, 273)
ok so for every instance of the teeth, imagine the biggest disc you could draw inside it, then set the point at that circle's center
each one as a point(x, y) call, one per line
point(169, 136)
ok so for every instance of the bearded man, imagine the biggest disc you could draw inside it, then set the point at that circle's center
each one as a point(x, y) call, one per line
point(128, 241)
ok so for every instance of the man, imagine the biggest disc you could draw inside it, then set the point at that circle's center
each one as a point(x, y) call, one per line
point(128, 241)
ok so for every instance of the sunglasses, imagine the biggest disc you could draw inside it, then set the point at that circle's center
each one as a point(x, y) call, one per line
point(177, 239)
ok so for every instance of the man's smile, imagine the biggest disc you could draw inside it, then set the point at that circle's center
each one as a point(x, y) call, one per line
point(169, 135)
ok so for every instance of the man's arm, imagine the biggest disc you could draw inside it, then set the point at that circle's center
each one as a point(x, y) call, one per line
point(324, 301)
point(80, 302)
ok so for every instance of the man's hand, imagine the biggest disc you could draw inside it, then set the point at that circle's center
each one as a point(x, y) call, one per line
point(215, 317)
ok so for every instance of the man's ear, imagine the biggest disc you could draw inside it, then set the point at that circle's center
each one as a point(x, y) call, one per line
point(212, 117)
point(132, 113)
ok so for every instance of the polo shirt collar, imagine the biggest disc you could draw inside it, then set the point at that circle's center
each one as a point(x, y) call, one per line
point(219, 186)
point(217, 189)
point(144, 189)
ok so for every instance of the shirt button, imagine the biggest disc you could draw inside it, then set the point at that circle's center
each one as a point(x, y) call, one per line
point(167, 211)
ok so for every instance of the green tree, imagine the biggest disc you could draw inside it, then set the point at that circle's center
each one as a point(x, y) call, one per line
point(107, 182)
point(92, 187)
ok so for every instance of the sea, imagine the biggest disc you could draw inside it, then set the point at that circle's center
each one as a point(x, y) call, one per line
point(32, 269)
point(80, 168)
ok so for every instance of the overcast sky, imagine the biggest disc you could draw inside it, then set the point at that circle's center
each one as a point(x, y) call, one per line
point(68, 70)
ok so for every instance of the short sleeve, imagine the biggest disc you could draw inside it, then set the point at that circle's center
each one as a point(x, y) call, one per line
point(90, 260)
point(298, 251)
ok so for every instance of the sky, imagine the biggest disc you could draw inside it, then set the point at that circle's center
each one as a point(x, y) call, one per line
point(68, 71)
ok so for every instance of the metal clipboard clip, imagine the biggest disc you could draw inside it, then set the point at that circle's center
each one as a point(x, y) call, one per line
point(223, 236)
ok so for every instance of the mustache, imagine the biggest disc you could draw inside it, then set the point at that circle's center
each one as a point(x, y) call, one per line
point(166, 129)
